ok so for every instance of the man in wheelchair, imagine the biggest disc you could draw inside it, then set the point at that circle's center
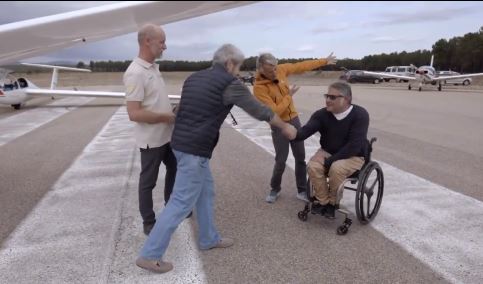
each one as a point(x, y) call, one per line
point(343, 140)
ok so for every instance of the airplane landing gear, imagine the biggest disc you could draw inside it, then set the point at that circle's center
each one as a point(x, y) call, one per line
point(16, 106)
point(439, 87)
point(409, 87)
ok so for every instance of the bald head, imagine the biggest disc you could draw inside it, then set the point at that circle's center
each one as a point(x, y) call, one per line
point(152, 42)
point(149, 31)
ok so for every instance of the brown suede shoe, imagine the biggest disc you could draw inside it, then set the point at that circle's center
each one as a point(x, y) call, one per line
point(157, 266)
point(224, 243)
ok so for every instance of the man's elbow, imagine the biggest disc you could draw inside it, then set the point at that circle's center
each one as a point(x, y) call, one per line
point(132, 116)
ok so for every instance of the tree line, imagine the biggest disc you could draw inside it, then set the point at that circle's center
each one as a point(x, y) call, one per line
point(463, 54)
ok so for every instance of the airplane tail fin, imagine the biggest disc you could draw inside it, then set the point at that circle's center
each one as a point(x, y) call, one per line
point(55, 71)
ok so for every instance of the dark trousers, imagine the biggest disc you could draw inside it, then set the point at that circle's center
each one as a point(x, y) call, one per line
point(151, 159)
point(281, 144)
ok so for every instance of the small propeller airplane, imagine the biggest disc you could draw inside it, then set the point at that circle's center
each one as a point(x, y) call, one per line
point(29, 38)
point(424, 75)
point(16, 91)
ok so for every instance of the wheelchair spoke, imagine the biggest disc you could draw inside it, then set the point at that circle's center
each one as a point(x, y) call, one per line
point(368, 206)
point(371, 188)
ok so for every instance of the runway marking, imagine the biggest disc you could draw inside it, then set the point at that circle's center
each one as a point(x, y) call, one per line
point(88, 228)
point(17, 125)
point(441, 227)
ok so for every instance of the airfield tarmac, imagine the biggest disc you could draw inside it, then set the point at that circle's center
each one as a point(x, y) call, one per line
point(68, 195)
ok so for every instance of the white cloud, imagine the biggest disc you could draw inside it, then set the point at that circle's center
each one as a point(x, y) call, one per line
point(265, 50)
point(306, 48)
point(330, 29)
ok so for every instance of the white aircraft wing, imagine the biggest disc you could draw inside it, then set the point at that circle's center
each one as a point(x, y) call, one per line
point(174, 99)
point(33, 37)
point(385, 75)
point(441, 78)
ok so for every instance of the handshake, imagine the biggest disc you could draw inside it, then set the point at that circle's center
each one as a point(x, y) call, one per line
point(289, 131)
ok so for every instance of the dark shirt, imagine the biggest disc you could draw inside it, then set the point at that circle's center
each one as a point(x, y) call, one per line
point(341, 138)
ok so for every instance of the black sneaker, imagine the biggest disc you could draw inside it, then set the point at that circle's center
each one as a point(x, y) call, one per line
point(318, 209)
point(330, 211)
point(148, 228)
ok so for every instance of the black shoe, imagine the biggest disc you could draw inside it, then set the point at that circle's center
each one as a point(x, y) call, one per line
point(318, 209)
point(330, 211)
point(148, 228)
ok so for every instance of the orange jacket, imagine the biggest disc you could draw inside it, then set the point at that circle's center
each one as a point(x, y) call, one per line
point(277, 96)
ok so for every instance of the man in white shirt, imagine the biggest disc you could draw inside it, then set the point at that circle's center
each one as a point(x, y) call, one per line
point(149, 107)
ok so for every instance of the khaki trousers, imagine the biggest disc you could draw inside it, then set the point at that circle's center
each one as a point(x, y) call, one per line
point(326, 192)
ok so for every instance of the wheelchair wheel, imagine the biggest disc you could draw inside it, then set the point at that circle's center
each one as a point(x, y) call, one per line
point(310, 191)
point(369, 192)
point(302, 216)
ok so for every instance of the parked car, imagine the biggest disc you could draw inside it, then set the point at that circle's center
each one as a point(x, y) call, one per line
point(353, 76)
point(400, 70)
point(456, 81)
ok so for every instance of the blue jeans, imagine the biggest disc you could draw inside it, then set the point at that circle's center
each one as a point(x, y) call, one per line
point(193, 187)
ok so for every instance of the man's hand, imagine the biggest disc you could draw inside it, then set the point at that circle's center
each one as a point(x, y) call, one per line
point(331, 60)
point(293, 89)
point(320, 156)
point(170, 118)
point(289, 131)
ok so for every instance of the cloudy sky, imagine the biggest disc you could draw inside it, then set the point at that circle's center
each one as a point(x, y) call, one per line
point(287, 29)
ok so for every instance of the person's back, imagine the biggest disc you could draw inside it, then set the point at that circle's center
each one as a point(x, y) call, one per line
point(201, 111)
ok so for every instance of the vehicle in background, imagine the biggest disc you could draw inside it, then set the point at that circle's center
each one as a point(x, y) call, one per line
point(456, 81)
point(425, 75)
point(400, 70)
point(354, 76)
point(248, 78)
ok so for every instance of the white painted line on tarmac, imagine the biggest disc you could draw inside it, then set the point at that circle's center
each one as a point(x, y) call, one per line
point(441, 227)
point(87, 229)
point(17, 125)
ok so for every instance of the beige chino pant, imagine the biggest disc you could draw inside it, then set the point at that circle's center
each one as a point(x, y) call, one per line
point(338, 172)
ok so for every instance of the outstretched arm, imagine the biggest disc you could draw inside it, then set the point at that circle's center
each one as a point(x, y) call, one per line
point(314, 124)
point(304, 66)
point(238, 94)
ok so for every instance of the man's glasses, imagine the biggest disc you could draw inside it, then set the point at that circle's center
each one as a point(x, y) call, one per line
point(332, 97)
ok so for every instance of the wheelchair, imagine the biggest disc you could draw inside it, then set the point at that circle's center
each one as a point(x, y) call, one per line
point(368, 182)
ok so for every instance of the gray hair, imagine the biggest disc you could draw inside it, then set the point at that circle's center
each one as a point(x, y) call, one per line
point(228, 52)
point(343, 88)
point(147, 31)
point(266, 58)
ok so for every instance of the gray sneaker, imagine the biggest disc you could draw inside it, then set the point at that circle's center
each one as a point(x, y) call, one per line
point(302, 196)
point(153, 265)
point(272, 196)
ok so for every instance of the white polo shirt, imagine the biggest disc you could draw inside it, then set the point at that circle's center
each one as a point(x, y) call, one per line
point(144, 83)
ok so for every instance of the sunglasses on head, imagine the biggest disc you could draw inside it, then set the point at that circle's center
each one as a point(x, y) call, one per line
point(332, 97)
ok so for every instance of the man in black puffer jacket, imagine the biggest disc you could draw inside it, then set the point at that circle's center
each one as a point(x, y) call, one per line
point(206, 100)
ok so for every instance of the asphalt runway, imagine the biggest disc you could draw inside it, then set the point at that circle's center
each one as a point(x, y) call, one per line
point(69, 202)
